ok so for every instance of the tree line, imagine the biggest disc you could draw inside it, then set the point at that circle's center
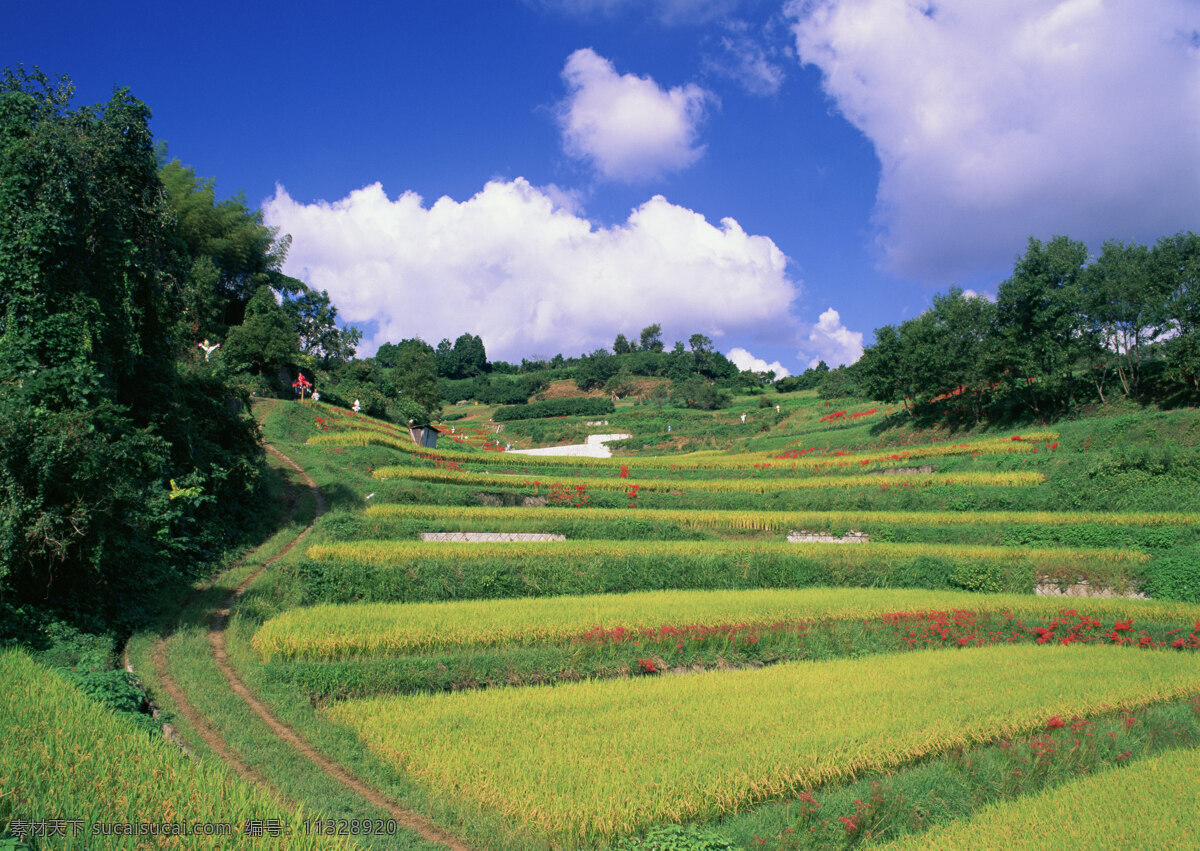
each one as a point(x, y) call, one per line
point(1065, 329)
point(412, 379)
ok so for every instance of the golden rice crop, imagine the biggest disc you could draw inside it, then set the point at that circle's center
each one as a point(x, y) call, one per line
point(1149, 804)
point(393, 551)
point(64, 756)
point(748, 485)
point(581, 762)
point(368, 629)
point(766, 521)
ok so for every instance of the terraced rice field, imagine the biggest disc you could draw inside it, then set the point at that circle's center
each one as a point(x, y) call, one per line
point(582, 763)
point(677, 661)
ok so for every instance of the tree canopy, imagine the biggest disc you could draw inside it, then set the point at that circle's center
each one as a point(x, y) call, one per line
point(120, 472)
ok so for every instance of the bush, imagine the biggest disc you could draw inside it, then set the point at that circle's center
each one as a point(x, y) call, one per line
point(675, 837)
point(699, 394)
point(555, 408)
point(1175, 577)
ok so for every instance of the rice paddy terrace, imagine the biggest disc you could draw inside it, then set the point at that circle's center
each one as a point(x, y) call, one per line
point(966, 636)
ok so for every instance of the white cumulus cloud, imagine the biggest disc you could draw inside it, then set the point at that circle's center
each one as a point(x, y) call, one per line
point(996, 121)
point(529, 275)
point(743, 360)
point(831, 341)
point(628, 127)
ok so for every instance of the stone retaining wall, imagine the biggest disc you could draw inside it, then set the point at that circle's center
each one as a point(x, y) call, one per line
point(1048, 588)
point(806, 537)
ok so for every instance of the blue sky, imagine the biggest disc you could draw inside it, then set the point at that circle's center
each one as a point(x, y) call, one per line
point(781, 176)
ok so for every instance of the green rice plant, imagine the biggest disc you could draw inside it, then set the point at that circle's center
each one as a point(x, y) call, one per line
point(372, 629)
point(66, 757)
point(409, 571)
point(747, 485)
point(583, 762)
point(389, 552)
point(778, 521)
point(1148, 804)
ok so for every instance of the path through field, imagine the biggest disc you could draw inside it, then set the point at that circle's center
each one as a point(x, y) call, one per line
point(212, 736)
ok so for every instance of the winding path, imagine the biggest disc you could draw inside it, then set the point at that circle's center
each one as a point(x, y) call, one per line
point(284, 731)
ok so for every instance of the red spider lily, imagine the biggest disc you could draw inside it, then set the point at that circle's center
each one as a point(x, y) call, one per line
point(1055, 721)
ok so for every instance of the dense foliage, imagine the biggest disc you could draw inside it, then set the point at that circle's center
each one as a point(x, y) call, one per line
point(121, 470)
point(1064, 330)
point(587, 406)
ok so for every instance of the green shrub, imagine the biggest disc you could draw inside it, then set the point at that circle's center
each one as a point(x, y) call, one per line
point(587, 406)
point(675, 837)
point(978, 576)
point(1175, 577)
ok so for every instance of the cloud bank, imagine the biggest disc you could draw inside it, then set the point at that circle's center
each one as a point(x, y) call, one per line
point(529, 275)
point(628, 127)
point(743, 360)
point(995, 121)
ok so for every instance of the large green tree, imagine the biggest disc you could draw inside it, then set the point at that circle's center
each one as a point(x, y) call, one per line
point(226, 250)
point(314, 319)
point(266, 341)
point(96, 421)
point(416, 380)
point(1175, 263)
point(1124, 303)
point(1041, 328)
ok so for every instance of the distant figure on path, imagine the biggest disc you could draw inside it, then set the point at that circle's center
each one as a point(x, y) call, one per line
point(357, 407)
